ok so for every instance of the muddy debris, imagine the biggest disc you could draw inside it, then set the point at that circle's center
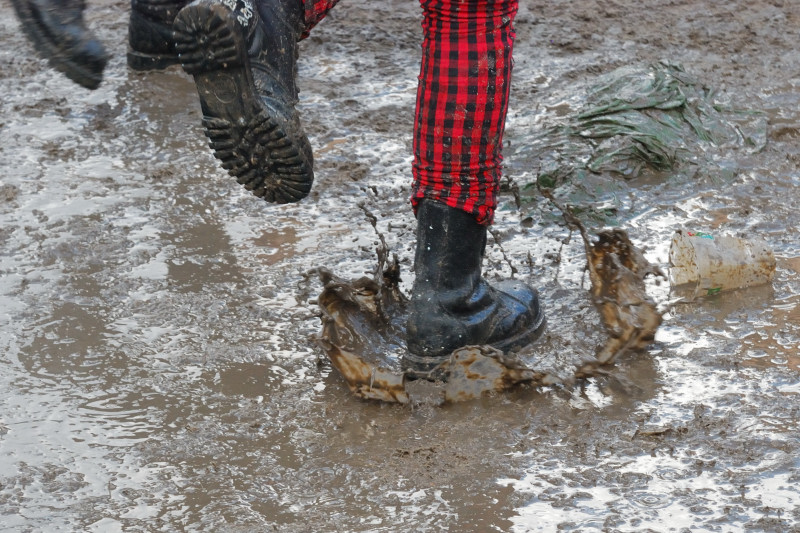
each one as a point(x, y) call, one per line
point(655, 121)
point(8, 192)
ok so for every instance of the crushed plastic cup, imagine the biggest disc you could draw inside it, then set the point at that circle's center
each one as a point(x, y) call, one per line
point(714, 263)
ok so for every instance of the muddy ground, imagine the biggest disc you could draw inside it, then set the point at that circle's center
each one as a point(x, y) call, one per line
point(159, 368)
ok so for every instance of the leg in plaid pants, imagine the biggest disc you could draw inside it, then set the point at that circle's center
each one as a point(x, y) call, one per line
point(462, 100)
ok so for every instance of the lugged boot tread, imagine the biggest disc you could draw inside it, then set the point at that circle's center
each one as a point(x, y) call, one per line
point(250, 139)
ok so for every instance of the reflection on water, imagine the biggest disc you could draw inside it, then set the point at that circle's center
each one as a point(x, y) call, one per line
point(159, 367)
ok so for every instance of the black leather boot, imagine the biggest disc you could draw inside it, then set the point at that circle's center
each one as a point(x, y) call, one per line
point(243, 57)
point(150, 42)
point(58, 31)
point(451, 304)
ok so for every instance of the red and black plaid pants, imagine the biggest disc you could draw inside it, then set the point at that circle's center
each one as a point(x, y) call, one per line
point(462, 100)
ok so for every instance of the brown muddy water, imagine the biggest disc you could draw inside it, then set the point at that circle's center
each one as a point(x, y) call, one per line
point(157, 324)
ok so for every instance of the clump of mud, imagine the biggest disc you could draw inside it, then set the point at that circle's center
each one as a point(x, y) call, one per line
point(363, 329)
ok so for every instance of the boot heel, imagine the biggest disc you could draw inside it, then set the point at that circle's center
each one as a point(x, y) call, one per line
point(247, 134)
point(208, 38)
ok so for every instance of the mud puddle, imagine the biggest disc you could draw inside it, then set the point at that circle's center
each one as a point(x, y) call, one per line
point(160, 367)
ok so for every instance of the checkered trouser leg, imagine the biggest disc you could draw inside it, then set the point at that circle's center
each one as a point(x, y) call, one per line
point(315, 11)
point(462, 100)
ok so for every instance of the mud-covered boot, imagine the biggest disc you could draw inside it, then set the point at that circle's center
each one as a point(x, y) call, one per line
point(451, 304)
point(150, 41)
point(243, 61)
point(58, 31)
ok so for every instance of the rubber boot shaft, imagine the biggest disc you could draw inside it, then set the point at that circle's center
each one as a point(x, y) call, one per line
point(451, 304)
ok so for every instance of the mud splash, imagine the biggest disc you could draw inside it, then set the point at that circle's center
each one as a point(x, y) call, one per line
point(363, 328)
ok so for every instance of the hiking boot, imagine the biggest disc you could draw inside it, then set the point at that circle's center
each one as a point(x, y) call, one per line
point(243, 60)
point(57, 30)
point(451, 304)
point(150, 42)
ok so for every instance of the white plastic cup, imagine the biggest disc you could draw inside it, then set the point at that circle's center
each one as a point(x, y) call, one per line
point(719, 263)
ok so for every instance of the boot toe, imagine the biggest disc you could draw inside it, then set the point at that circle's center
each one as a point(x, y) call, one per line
point(522, 317)
point(60, 36)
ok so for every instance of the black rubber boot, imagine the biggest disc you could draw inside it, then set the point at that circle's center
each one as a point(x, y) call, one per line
point(150, 41)
point(451, 304)
point(58, 31)
point(243, 61)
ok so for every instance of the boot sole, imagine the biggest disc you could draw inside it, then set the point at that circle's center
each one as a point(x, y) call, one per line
point(421, 367)
point(85, 74)
point(424, 367)
point(251, 139)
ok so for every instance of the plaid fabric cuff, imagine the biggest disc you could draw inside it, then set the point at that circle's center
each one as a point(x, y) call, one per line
point(315, 11)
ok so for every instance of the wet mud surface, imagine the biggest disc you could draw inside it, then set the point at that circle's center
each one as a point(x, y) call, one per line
point(160, 369)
